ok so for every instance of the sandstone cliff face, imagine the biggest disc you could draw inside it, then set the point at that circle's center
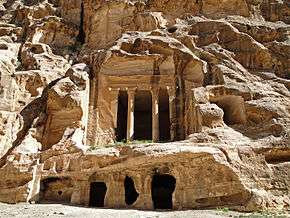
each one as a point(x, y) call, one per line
point(221, 67)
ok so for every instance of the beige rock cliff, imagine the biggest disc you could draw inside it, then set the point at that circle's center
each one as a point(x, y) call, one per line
point(146, 104)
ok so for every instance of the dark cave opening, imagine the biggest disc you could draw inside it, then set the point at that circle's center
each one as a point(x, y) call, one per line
point(131, 194)
point(98, 192)
point(162, 188)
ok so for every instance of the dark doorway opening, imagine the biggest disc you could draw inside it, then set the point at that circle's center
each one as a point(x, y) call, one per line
point(164, 119)
point(131, 194)
point(143, 116)
point(162, 188)
point(97, 194)
point(121, 130)
point(56, 190)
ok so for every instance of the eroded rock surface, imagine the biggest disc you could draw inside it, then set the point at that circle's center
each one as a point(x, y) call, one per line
point(198, 88)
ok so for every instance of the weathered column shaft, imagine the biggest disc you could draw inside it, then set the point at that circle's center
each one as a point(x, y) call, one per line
point(197, 120)
point(114, 106)
point(189, 113)
point(155, 114)
point(172, 112)
point(130, 116)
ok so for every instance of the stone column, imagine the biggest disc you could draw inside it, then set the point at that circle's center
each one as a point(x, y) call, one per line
point(197, 120)
point(114, 105)
point(189, 114)
point(130, 116)
point(155, 114)
point(172, 112)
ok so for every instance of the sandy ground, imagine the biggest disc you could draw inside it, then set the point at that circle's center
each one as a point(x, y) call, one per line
point(58, 210)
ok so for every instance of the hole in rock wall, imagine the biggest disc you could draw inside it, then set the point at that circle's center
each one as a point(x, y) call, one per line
point(164, 120)
point(97, 194)
point(121, 130)
point(162, 188)
point(131, 194)
point(172, 29)
point(37, 49)
point(143, 116)
point(56, 190)
point(234, 109)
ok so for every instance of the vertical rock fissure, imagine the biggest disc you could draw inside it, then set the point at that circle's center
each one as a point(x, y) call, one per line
point(82, 35)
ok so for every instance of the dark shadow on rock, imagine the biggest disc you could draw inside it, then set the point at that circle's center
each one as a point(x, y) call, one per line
point(29, 114)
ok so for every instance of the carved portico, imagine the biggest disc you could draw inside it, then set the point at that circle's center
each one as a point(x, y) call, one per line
point(131, 85)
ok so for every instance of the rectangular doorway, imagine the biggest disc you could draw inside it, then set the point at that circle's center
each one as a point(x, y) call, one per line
point(98, 192)
point(143, 116)
point(121, 131)
point(164, 119)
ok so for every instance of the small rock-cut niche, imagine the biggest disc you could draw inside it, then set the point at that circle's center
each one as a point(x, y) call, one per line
point(234, 109)
point(131, 195)
point(162, 188)
point(98, 192)
point(56, 190)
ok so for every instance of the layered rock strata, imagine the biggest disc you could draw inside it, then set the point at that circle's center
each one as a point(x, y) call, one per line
point(181, 102)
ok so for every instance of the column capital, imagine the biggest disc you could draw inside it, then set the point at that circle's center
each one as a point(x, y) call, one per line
point(171, 90)
point(154, 91)
point(111, 89)
point(131, 90)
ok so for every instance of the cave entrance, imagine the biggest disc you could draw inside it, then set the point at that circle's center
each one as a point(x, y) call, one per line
point(162, 188)
point(131, 194)
point(164, 119)
point(143, 116)
point(121, 130)
point(233, 107)
point(97, 194)
point(55, 190)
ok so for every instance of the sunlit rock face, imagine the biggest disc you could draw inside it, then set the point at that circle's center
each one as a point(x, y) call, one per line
point(151, 104)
